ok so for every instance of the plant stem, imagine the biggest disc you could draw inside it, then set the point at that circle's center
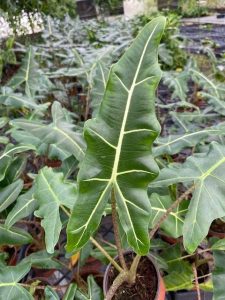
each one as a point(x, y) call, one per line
point(42, 287)
point(116, 284)
point(133, 269)
point(116, 232)
point(189, 255)
point(196, 281)
point(112, 261)
point(169, 210)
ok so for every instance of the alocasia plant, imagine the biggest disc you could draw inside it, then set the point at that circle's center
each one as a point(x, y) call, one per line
point(118, 163)
point(118, 160)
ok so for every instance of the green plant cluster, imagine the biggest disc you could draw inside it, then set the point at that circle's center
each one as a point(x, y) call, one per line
point(52, 157)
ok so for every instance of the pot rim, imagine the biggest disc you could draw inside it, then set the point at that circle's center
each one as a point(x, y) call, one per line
point(152, 260)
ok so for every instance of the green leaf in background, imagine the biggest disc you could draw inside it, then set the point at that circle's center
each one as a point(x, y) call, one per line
point(70, 292)
point(178, 83)
point(119, 143)
point(180, 275)
point(3, 257)
point(218, 275)
point(50, 294)
point(10, 289)
point(15, 170)
point(19, 100)
point(52, 193)
point(213, 90)
point(30, 76)
point(4, 140)
point(94, 291)
point(100, 77)
point(14, 236)
point(219, 245)
point(25, 205)
point(59, 134)
point(175, 143)
point(3, 121)
point(207, 171)
point(173, 224)
point(43, 260)
point(10, 193)
point(7, 155)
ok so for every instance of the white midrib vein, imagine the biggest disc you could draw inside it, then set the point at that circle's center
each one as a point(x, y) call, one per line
point(120, 140)
point(130, 93)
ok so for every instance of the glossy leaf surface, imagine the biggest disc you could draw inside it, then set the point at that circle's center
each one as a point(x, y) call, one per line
point(119, 142)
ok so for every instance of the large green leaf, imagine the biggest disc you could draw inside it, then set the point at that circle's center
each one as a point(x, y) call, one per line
point(119, 143)
point(25, 205)
point(14, 236)
point(173, 224)
point(10, 289)
point(10, 193)
point(52, 192)
point(207, 171)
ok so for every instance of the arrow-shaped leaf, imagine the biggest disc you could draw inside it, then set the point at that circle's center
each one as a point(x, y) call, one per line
point(52, 193)
point(119, 142)
point(207, 171)
point(10, 288)
point(59, 134)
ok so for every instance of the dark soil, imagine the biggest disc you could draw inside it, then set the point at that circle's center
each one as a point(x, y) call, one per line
point(218, 226)
point(201, 271)
point(146, 284)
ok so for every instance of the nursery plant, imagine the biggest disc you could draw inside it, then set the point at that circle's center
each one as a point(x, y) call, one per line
point(154, 188)
point(118, 164)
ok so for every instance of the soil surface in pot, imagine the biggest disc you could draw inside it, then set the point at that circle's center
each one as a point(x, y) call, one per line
point(146, 284)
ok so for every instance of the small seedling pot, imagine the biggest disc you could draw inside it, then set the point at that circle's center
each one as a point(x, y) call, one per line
point(160, 289)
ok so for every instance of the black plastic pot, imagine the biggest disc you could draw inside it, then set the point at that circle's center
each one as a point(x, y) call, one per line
point(86, 9)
